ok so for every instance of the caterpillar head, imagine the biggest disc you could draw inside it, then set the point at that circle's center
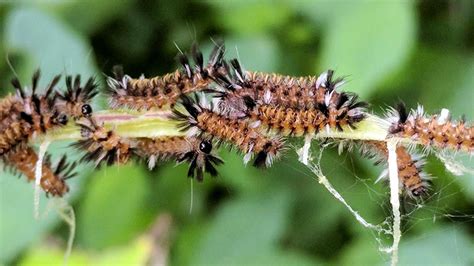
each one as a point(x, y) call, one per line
point(201, 160)
point(76, 100)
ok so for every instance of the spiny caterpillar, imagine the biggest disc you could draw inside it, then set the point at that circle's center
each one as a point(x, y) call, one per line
point(245, 90)
point(196, 151)
point(144, 94)
point(240, 133)
point(410, 167)
point(53, 179)
point(437, 131)
point(25, 116)
point(102, 145)
point(105, 146)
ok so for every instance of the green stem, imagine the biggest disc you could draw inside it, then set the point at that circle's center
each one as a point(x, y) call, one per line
point(158, 124)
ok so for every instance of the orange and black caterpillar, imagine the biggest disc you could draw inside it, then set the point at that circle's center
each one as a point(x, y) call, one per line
point(105, 146)
point(53, 180)
point(293, 122)
point(102, 145)
point(292, 106)
point(196, 151)
point(238, 132)
point(24, 116)
point(158, 92)
point(410, 167)
point(437, 130)
point(245, 89)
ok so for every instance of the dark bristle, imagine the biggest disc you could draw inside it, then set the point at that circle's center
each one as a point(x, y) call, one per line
point(210, 168)
point(249, 102)
point(192, 167)
point(402, 112)
point(217, 55)
point(35, 80)
point(184, 61)
point(323, 108)
point(329, 84)
point(69, 82)
point(52, 84)
point(189, 106)
point(238, 70)
point(17, 85)
point(26, 117)
point(224, 81)
point(341, 100)
point(198, 57)
point(260, 159)
point(77, 82)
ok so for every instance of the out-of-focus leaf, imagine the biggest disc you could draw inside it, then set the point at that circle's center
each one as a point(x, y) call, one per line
point(277, 257)
point(54, 48)
point(368, 43)
point(87, 19)
point(248, 17)
point(363, 251)
point(446, 245)
point(244, 228)
point(113, 209)
point(18, 227)
point(136, 253)
point(45, 255)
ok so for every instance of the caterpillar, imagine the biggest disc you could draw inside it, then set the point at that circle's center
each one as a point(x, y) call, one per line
point(105, 146)
point(437, 131)
point(410, 167)
point(53, 179)
point(25, 116)
point(238, 132)
point(245, 89)
point(161, 91)
point(102, 145)
point(196, 151)
point(293, 122)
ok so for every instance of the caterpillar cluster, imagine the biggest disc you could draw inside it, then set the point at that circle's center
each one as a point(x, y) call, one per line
point(252, 111)
point(26, 115)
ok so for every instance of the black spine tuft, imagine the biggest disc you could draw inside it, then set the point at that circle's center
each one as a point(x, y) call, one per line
point(402, 112)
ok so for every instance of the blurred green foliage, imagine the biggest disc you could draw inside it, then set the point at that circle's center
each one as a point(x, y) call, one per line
point(421, 52)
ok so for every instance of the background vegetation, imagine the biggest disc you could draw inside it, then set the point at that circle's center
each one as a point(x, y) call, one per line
point(421, 52)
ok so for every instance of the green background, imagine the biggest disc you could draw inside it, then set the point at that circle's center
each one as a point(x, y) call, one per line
point(420, 52)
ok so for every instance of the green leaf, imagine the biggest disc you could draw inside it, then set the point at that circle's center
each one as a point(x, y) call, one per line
point(54, 48)
point(442, 246)
point(244, 228)
point(363, 251)
point(113, 209)
point(264, 16)
point(369, 43)
point(134, 253)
